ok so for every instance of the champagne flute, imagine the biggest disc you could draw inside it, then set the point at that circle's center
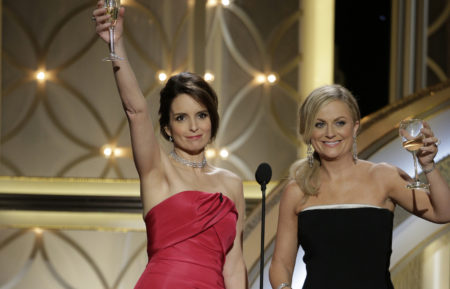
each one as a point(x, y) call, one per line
point(112, 7)
point(412, 141)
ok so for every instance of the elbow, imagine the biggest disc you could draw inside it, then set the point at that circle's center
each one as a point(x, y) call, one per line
point(278, 274)
point(442, 220)
point(135, 113)
point(135, 108)
point(271, 276)
point(271, 271)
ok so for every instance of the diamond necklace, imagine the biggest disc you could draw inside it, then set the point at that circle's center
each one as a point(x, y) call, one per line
point(185, 162)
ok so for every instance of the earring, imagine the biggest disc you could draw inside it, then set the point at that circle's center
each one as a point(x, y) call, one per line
point(309, 154)
point(170, 138)
point(355, 150)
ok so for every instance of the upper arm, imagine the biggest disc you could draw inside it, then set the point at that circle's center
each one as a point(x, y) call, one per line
point(239, 201)
point(286, 239)
point(146, 149)
point(234, 271)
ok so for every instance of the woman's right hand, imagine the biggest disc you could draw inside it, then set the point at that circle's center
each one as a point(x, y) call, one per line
point(102, 23)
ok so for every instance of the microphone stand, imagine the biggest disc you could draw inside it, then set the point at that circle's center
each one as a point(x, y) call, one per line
point(263, 222)
point(262, 176)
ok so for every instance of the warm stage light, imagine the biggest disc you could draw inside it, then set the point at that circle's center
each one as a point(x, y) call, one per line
point(41, 76)
point(38, 231)
point(112, 151)
point(107, 151)
point(271, 78)
point(224, 153)
point(225, 2)
point(162, 76)
point(118, 152)
point(209, 76)
point(261, 78)
point(211, 3)
point(210, 153)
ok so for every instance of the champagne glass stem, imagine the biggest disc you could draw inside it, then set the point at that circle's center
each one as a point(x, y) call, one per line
point(416, 177)
point(111, 40)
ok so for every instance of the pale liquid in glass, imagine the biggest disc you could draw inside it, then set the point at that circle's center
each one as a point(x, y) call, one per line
point(114, 12)
point(412, 140)
point(413, 144)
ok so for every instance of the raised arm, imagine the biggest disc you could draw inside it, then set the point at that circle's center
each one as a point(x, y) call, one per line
point(283, 259)
point(435, 205)
point(146, 151)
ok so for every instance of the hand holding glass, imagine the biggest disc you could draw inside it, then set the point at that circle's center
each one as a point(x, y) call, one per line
point(412, 140)
point(112, 7)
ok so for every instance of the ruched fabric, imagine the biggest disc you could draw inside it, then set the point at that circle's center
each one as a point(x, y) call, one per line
point(188, 237)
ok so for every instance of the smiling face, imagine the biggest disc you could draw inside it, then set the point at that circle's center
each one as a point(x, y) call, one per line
point(189, 125)
point(333, 131)
point(194, 86)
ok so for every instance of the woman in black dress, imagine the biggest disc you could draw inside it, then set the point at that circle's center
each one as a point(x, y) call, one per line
point(340, 208)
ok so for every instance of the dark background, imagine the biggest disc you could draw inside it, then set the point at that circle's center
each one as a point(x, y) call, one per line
point(362, 45)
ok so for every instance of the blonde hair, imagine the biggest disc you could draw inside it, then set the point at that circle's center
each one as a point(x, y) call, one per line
point(307, 177)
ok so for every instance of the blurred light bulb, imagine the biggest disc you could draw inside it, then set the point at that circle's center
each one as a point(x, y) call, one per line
point(162, 76)
point(225, 2)
point(118, 152)
point(261, 78)
point(40, 76)
point(271, 78)
point(224, 153)
point(38, 231)
point(107, 151)
point(209, 76)
point(211, 3)
point(210, 153)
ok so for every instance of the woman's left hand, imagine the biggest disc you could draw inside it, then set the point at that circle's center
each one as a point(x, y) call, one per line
point(426, 154)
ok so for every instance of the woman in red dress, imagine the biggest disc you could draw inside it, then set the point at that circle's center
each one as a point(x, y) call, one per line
point(194, 212)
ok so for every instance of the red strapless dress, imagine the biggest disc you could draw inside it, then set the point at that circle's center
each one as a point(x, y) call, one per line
point(188, 237)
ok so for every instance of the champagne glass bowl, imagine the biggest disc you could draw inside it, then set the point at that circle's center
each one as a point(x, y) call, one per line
point(412, 141)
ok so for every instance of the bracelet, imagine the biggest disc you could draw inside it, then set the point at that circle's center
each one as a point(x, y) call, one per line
point(430, 169)
point(284, 285)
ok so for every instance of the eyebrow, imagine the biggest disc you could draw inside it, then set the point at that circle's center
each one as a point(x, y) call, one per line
point(184, 113)
point(337, 118)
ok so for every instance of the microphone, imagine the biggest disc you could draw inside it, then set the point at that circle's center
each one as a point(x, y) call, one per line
point(262, 176)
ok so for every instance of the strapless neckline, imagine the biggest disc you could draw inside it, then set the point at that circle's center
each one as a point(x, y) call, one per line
point(342, 206)
point(179, 194)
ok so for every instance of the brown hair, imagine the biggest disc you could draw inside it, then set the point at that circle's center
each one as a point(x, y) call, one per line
point(195, 86)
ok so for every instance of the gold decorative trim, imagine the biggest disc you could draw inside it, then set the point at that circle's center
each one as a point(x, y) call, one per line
point(88, 221)
point(380, 127)
point(369, 120)
point(69, 186)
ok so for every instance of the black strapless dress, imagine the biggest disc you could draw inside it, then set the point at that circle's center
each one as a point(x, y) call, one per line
point(346, 248)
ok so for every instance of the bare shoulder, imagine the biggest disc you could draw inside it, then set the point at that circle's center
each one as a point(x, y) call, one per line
point(384, 169)
point(292, 188)
point(227, 177)
point(387, 174)
point(378, 169)
point(231, 181)
point(292, 193)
